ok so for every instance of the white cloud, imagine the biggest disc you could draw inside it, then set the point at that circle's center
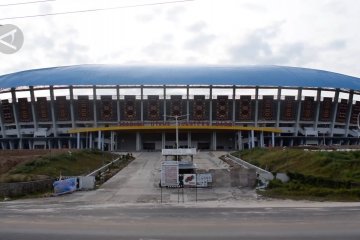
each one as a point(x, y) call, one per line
point(305, 33)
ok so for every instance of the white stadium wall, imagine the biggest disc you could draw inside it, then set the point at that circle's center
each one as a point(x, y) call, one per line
point(141, 117)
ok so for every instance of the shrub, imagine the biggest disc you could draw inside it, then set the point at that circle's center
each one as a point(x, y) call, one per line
point(275, 183)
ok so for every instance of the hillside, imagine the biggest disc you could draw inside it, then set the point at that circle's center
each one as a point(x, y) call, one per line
point(344, 166)
point(40, 164)
point(318, 175)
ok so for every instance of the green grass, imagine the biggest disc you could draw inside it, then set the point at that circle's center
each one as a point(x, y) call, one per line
point(342, 166)
point(52, 165)
point(314, 175)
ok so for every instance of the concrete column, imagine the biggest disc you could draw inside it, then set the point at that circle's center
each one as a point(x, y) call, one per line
point(53, 118)
point(261, 139)
point(11, 145)
point(90, 141)
point(256, 105)
point(317, 111)
point(58, 143)
point(94, 106)
point(69, 143)
point(115, 142)
point(2, 130)
point(273, 139)
point(234, 104)
point(138, 141)
point(15, 111)
point(164, 102)
point(187, 104)
point(78, 140)
point(87, 140)
point(348, 114)
point(142, 103)
point(32, 102)
point(252, 139)
point(20, 143)
point(278, 110)
point(336, 103)
point(163, 140)
point(214, 143)
point(103, 142)
point(118, 103)
point(111, 141)
point(99, 140)
point(189, 139)
point(72, 113)
point(210, 106)
point(240, 141)
point(297, 125)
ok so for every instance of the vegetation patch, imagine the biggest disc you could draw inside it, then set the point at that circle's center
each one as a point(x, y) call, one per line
point(52, 165)
point(314, 175)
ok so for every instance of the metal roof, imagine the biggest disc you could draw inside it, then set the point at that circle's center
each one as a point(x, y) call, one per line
point(267, 76)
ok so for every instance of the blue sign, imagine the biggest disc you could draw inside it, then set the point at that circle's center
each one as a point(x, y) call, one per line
point(64, 186)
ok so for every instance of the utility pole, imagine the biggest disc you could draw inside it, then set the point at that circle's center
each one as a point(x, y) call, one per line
point(177, 128)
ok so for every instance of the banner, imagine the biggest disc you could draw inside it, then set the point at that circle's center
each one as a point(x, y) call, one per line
point(64, 186)
point(189, 179)
point(169, 173)
point(203, 179)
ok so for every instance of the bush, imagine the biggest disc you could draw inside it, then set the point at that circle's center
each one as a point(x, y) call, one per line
point(275, 183)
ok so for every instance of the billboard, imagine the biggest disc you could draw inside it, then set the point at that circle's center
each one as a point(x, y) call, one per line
point(170, 173)
point(189, 179)
point(203, 179)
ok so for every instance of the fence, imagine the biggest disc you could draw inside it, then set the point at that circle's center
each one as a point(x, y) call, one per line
point(24, 188)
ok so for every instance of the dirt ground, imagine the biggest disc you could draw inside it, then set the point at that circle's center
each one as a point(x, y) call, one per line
point(11, 158)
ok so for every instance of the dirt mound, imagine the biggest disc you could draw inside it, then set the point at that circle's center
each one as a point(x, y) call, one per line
point(11, 158)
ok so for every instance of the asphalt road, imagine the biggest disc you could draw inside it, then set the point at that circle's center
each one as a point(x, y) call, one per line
point(53, 220)
point(128, 207)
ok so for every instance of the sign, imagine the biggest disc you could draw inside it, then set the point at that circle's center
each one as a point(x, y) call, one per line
point(203, 179)
point(169, 173)
point(189, 179)
point(179, 151)
point(65, 186)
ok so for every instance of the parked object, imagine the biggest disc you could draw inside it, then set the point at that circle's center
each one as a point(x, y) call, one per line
point(65, 186)
point(86, 183)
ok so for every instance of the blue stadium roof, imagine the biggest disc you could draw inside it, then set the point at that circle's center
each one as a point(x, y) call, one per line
point(180, 75)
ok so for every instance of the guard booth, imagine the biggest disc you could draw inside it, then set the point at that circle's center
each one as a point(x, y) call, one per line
point(172, 171)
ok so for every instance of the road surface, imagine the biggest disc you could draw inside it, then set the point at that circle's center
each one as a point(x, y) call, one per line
point(128, 207)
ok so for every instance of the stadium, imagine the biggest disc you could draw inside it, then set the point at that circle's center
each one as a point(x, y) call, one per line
point(146, 108)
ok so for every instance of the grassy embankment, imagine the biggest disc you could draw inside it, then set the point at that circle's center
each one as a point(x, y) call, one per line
point(314, 175)
point(52, 164)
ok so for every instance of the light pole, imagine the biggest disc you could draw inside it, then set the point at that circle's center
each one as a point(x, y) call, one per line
point(176, 126)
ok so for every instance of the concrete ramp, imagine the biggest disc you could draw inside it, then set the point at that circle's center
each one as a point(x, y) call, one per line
point(138, 182)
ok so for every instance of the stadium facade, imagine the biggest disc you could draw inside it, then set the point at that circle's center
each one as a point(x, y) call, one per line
point(133, 108)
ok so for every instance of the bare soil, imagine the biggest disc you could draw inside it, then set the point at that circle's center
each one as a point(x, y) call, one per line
point(11, 158)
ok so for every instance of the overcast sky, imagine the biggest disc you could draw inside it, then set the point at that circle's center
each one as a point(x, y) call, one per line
point(321, 34)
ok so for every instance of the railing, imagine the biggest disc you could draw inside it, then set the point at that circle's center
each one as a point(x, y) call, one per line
point(262, 172)
point(103, 168)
